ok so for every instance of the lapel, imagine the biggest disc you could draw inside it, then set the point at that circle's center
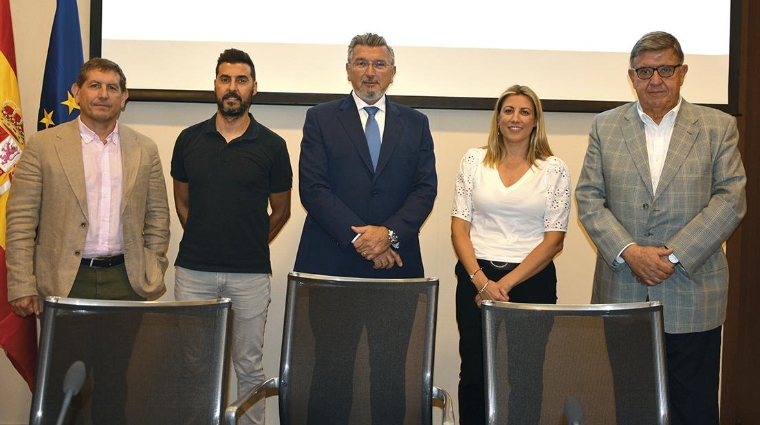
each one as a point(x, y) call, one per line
point(391, 135)
point(681, 142)
point(68, 146)
point(634, 135)
point(130, 161)
point(348, 115)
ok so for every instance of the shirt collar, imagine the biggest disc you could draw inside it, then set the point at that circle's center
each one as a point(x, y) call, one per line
point(360, 104)
point(252, 132)
point(670, 116)
point(87, 135)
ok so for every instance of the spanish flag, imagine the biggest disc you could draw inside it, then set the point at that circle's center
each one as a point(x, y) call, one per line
point(18, 336)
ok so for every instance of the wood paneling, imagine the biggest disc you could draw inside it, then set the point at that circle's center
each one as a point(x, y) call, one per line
point(740, 393)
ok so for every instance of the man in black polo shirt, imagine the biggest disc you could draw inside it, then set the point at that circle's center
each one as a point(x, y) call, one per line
point(226, 171)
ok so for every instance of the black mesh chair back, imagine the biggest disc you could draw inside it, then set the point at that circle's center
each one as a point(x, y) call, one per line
point(357, 351)
point(145, 362)
point(595, 364)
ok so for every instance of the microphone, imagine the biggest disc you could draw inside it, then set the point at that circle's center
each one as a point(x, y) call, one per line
point(72, 383)
point(573, 411)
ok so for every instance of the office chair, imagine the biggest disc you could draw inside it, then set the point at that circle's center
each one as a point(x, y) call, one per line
point(355, 351)
point(601, 364)
point(141, 362)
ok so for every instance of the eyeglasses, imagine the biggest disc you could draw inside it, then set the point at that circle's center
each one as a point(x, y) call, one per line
point(379, 65)
point(647, 72)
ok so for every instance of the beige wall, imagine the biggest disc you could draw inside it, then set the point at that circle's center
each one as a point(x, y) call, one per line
point(453, 131)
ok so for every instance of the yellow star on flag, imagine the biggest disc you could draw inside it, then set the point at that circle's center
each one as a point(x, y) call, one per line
point(70, 102)
point(47, 119)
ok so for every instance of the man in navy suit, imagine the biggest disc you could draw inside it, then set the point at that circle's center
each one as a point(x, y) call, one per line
point(365, 207)
point(356, 212)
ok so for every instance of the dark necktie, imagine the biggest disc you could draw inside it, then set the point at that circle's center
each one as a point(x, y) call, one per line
point(372, 131)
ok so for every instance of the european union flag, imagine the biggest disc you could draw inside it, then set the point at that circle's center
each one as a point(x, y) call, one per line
point(65, 57)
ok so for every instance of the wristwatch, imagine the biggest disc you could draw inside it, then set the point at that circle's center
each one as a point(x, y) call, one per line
point(672, 257)
point(393, 238)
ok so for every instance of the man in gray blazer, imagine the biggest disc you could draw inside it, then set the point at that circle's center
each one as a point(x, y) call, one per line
point(662, 187)
point(88, 198)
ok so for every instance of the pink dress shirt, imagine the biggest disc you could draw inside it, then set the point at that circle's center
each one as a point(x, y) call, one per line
point(104, 184)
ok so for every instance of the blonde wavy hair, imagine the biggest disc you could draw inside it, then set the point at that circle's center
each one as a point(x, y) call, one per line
point(539, 143)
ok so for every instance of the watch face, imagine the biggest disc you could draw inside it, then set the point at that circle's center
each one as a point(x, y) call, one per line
point(393, 238)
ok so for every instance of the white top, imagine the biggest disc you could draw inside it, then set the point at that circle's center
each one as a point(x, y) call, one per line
point(507, 223)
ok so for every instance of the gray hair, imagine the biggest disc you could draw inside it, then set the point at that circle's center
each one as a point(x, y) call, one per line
point(656, 41)
point(371, 40)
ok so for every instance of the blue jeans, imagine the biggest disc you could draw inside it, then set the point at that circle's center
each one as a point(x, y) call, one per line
point(250, 297)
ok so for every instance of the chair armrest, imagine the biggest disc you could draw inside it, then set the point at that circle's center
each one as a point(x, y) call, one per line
point(242, 404)
point(448, 407)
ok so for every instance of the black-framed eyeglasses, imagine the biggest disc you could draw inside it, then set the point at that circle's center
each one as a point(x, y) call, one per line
point(647, 72)
point(379, 65)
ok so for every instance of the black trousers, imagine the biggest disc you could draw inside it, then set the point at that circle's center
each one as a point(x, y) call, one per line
point(541, 288)
point(693, 377)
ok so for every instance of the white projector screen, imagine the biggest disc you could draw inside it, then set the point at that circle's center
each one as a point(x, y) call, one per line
point(568, 51)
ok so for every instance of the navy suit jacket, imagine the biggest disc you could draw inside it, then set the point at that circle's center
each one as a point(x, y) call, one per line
point(339, 189)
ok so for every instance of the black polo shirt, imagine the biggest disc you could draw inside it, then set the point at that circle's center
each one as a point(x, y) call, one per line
point(227, 225)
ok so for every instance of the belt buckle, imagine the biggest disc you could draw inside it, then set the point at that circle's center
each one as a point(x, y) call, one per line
point(92, 261)
point(500, 265)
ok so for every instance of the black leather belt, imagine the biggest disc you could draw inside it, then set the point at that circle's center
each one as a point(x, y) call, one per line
point(103, 261)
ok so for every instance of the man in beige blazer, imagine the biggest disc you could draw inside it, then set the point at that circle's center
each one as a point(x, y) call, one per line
point(83, 221)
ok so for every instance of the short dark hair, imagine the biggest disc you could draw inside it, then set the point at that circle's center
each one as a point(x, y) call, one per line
point(371, 40)
point(654, 42)
point(235, 56)
point(103, 65)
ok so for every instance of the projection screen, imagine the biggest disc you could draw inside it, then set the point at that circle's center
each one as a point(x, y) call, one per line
point(572, 53)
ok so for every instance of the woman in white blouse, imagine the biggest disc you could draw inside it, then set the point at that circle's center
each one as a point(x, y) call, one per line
point(508, 222)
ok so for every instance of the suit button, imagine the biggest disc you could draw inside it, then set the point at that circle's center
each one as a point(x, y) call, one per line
point(83, 224)
point(648, 234)
point(645, 206)
point(373, 193)
point(78, 253)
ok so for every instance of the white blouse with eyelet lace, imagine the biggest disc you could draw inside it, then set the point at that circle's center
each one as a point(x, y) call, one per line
point(507, 223)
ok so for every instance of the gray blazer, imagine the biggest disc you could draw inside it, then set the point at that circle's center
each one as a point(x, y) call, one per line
point(700, 200)
point(48, 222)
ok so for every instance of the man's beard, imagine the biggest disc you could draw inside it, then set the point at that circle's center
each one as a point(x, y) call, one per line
point(233, 112)
point(370, 95)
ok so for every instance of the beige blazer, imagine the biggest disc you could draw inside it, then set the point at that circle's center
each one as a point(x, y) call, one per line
point(700, 199)
point(47, 218)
